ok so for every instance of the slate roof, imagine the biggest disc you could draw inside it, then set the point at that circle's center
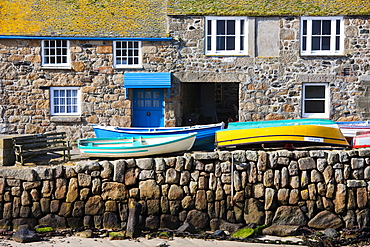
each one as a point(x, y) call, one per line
point(147, 18)
point(91, 18)
point(269, 7)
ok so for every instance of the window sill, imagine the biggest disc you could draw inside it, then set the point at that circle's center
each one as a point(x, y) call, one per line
point(227, 55)
point(322, 55)
point(65, 119)
point(56, 67)
point(128, 67)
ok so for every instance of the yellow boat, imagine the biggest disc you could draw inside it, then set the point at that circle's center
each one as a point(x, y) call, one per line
point(296, 134)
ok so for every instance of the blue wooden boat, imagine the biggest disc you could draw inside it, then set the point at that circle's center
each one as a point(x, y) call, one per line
point(204, 141)
point(138, 146)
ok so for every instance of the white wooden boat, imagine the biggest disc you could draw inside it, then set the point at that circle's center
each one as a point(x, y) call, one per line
point(205, 139)
point(352, 128)
point(124, 147)
point(361, 140)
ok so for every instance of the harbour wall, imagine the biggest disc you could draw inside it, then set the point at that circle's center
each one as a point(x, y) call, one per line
point(314, 188)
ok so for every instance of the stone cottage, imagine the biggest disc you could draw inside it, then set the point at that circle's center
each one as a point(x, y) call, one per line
point(66, 65)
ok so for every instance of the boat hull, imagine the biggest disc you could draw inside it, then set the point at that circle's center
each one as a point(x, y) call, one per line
point(205, 139)
point(285, 122)
point(301, 135)
point(361, 141)
point(351, 129)
point(135, 146)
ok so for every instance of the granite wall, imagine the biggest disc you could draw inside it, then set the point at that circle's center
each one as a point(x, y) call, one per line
point(314, 188)
point(269, 79)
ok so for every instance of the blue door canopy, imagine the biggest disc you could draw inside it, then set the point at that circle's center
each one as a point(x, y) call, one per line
point(147, 80)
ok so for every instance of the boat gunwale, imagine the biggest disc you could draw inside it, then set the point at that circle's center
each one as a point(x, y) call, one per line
point(183, 137)
point(246, 138)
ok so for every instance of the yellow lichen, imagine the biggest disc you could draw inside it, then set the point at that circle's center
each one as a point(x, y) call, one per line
point(147, 18)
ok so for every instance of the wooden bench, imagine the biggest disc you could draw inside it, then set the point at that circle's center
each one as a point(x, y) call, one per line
point(26, 147)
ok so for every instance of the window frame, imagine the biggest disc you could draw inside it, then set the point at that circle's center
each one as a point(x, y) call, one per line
point(52, 104)
point(55, 65)
point(213, 36)
point(308, 36)
point(326, 100)
point(139, 56)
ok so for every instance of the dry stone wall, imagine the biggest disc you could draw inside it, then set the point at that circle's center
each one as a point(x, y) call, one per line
point(314, 188)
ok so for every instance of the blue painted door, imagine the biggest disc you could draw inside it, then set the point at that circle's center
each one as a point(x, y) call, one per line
point(148, 108)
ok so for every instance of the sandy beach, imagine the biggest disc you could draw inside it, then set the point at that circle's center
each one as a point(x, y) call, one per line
point(143, 242)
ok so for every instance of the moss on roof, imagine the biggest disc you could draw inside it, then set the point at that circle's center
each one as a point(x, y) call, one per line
point(269, 7)
point(146, 18)
point(128, 18)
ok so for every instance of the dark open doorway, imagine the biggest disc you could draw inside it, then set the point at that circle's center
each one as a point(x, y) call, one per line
point(206, 103)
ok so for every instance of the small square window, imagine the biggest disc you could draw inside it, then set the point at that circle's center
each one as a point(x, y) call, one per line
point(322, 36)
point(64, 101)
point(315, 100)
point(55, 53)
point(226, 36)
point(127, 54)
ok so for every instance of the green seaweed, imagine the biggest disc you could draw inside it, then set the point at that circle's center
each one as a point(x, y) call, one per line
point(243, 233)
point(44, 229)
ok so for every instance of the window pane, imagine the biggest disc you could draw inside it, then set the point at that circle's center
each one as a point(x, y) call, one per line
point(326, 27)
point(337, 27)
point(304, 43)
point(156, 95)
point(231, 27)
point(314, 106)
point(337, 43)
point(315, 43)
point(140, 103)
point(140, 95)
point(220, 43)
point(316, 27)
point(242, 43)
point(221, 27)
point(315, 92)
point(209, 27)
point(209, 43)
point(148, 95)
point(155, 103)
point(148, 103)
point(304, 28)
point(230, 43)
point(242, 27)
point(325, 43)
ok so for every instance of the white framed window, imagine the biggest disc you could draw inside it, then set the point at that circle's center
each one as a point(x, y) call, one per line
point(65, 101)
point(55, 53)
point(127, 54)
point(322, 36)
point(315, 100)
point(226, 36)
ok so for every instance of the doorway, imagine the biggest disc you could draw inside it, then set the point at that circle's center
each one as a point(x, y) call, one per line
point(206, 103)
